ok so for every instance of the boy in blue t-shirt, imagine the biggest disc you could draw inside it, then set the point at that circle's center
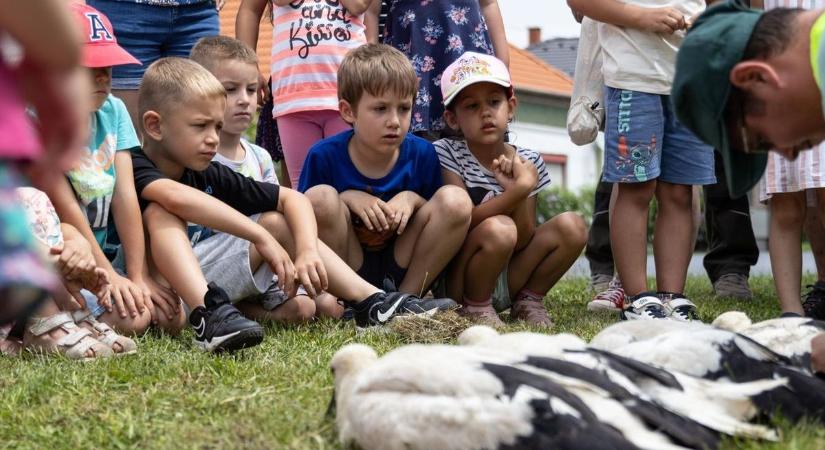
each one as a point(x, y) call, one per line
point(377, 191)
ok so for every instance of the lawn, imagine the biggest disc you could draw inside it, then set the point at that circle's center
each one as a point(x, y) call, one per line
point(272, 396)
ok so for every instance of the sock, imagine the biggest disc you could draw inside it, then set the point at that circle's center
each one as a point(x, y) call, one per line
point(529, 295)
point(475, 305)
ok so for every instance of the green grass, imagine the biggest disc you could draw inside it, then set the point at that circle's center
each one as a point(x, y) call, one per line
point(272, 396)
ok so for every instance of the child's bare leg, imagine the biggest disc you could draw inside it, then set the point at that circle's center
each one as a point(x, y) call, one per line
point(673, 236)
point(127, 325)
point(628, 234)
point(784, 246)
point(433, 237)
point(483, 256)
point(553, 249)
point(298, 309)
point(815, 230)
point(343, 281)
point(335, 224)
point(326, 305)
point(173, 256)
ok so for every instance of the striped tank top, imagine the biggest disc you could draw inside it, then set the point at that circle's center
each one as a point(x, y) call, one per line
point(309, 41)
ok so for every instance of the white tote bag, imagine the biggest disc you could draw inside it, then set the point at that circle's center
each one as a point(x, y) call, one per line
point(586, 113)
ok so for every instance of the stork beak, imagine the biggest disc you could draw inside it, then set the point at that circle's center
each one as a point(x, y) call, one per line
point(330, 413)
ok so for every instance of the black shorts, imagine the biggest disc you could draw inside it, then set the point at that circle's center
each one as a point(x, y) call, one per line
point(381, 264)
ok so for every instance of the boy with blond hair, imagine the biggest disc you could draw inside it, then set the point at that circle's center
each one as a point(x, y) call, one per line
point(230, 251)
point(235, 65)
point(377, 190)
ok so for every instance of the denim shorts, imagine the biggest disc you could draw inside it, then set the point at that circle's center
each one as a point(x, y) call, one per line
point(644, 141)
point(150, 32)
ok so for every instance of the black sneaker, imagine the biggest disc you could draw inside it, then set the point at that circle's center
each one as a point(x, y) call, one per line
point(380, 307)
point(220, 327)
point(813, 302)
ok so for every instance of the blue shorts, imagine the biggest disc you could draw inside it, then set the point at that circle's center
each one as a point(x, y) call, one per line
point(644, 141)
point(150, 32)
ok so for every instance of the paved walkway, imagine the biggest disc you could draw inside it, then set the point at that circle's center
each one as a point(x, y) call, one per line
point(762, 267)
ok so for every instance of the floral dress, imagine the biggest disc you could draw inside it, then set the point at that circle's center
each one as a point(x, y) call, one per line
point(434, 33)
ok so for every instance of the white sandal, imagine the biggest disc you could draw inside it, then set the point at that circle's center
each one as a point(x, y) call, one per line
point(74, 345)
point(106, 334)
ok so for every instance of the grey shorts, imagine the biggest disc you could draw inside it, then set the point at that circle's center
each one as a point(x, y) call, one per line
point(224, 260)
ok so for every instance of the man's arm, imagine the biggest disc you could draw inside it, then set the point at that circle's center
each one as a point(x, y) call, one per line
point(654, 20)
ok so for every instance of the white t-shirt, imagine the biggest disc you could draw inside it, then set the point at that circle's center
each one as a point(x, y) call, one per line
point(641, 61)
point(256, 164)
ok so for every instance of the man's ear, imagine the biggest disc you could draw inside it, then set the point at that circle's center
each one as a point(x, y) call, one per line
point(748, 75)
point(151, 121)
point(347, 112)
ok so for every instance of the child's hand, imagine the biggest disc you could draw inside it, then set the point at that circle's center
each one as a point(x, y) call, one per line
point(372, 211)
point(525, 174)
point(96, 281)
point(279, 261)
point(403, 207)
point(311, 272)
point(127, 296)
point(74, 258)
point(665, 20)
point(161, 296)
point(504, 165)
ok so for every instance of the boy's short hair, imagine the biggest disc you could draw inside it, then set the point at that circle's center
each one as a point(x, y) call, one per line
point(210, 51)
point(376, 69)
point(173, 80)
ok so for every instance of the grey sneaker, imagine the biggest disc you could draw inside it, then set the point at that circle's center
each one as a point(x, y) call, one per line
point(733, 285)
point(645, 306)
point(599, 282)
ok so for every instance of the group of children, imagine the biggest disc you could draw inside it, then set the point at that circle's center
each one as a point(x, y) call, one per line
point(188, 223)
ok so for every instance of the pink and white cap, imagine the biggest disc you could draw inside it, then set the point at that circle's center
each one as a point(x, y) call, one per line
point(471, 68)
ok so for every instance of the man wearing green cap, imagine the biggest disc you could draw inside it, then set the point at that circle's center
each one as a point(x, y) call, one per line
point(747, 82)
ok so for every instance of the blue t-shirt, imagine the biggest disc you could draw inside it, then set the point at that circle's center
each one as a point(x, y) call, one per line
point(93, 180)
point(417, 169)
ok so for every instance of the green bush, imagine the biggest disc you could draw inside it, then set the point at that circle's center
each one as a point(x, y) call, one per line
point(555, 200)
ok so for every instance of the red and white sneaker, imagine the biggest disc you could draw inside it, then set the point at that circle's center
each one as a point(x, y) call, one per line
point(610, 300)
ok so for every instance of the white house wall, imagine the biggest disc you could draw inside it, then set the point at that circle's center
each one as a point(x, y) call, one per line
point(583, 163)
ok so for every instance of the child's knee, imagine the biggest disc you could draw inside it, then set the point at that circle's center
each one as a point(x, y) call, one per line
point(274, 223)
point(641, 193)
point(788, 209)
point(572, 228)
point(154, 213)
point(675, 195)
point(299, 309)
point(325, 200)
point(172, 326)
point(454, 202)
point(128, 325)
point(497, 233)
point(328, 306)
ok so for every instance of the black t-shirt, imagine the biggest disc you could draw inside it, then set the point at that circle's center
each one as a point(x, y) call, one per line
point(244, 194)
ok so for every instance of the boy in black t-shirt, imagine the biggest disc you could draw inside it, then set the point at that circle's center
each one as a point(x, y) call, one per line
point(232, 220)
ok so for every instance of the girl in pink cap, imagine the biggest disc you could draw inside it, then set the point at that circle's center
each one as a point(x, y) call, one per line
point(507, 260)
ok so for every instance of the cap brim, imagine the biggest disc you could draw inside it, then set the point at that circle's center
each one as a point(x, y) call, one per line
point(106, 56)
point(742, 170)
point(493, 80)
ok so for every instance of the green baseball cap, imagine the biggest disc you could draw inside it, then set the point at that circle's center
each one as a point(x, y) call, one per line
point(701, 87)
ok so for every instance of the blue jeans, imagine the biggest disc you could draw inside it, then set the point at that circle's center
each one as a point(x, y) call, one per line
point(150, 32)
point(644, 141)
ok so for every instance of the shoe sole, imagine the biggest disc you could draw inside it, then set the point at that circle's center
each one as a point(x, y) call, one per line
point(239, 340)
point(602, 308)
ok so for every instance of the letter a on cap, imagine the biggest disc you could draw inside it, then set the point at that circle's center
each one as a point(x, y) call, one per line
point(97, 30)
